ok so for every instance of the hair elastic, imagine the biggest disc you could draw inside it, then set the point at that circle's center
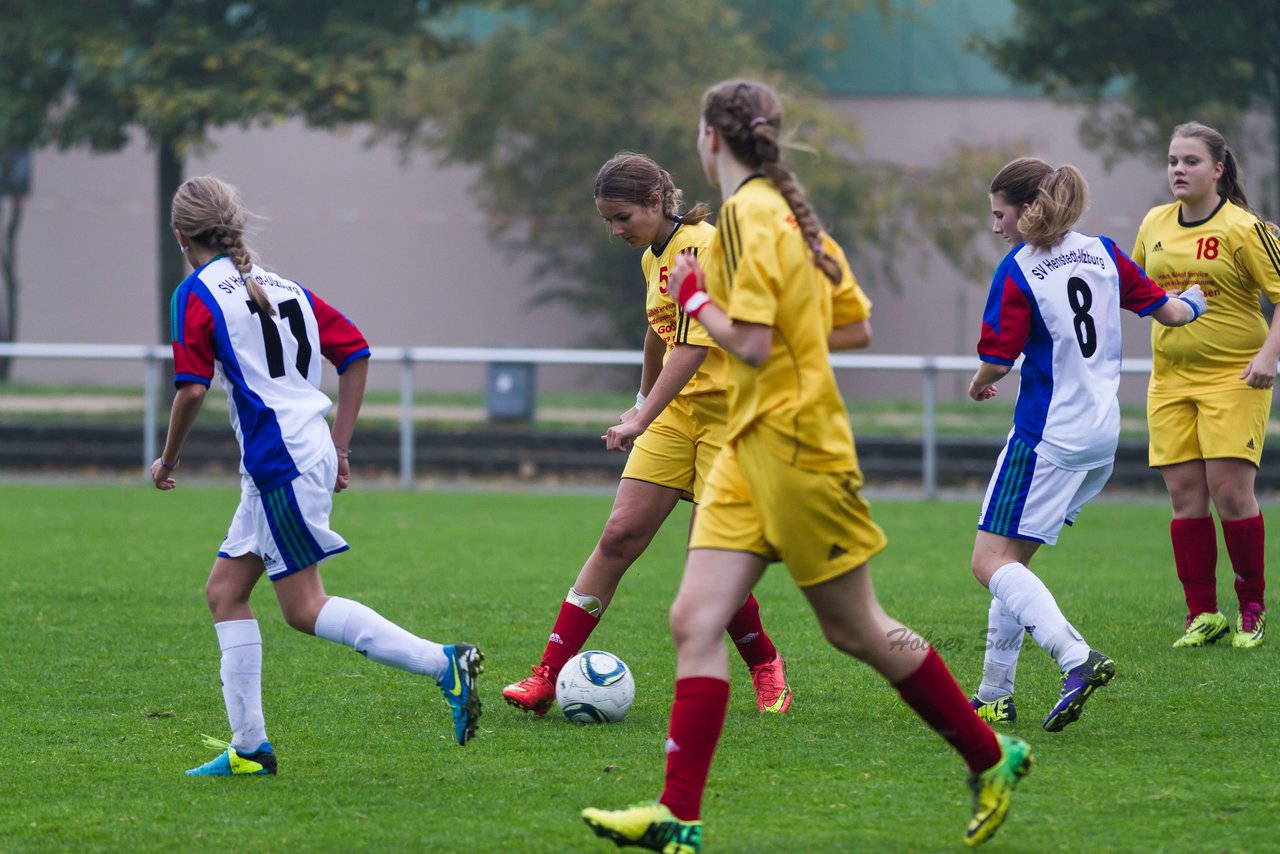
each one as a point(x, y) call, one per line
point(757, 121)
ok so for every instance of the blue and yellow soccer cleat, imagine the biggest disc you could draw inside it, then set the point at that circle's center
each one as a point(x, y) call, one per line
point(999, 710)
point(458, 684)
point(649, 826)
point(993, 789)
point(232, 762)
point(1203, 629)
point(1078, 684)
point(1251, 626)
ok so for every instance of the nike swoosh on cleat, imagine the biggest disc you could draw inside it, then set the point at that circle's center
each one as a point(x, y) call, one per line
point(456, 690)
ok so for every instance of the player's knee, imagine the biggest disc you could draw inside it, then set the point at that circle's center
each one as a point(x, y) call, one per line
point(982, 570)
point(1234, 501)
point(301, 618)
point(688, 628)
point(852, 637)
point(222, 597)
point(846, 640)
point(621, 540)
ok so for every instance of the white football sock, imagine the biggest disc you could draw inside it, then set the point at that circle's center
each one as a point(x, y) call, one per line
point(369, 633)
point(1000, 663)
point(241, 673)
point(1030, 602)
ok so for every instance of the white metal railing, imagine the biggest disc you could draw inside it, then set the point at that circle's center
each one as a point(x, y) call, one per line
point(151, 356)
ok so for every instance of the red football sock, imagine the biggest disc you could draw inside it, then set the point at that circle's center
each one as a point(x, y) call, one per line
point(1245, 539)
point(1195, 554)
point(934, 695)
point(697, 717)
point(748, 634)
point(570, 633)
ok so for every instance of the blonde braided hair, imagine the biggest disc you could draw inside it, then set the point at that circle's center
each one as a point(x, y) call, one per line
point(208, 211)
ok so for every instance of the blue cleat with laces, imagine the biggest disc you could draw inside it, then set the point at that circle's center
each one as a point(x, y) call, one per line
point(234, 763)
point(458, 684)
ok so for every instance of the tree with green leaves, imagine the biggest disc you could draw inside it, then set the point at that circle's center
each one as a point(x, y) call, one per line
point(1175, 60)
point(90, 72)
point(557, 90)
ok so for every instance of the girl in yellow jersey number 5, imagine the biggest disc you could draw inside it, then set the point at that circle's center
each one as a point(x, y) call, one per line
point(786, 486)
point(673, 433)
point(1210, 390)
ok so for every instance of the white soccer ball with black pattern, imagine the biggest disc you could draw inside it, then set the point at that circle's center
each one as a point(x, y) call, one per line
point(595, 687)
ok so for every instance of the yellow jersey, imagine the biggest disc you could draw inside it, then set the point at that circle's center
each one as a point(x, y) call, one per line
point(849, 303)
point(671, 324)
point(1235, 259)
point(759, 270)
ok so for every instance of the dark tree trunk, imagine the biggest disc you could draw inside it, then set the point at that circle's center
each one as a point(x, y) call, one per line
point(172, 265)
point(9, 268)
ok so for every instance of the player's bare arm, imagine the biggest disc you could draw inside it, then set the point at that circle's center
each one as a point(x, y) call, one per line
point(982, 386)
point(350, 396)
point(186, 406)
point(851, 336)
point(1182, 308)
point(749, 342)
point(680, 367)
point(1261, 370)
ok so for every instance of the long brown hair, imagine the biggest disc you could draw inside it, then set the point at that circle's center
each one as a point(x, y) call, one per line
point(632, 178)
point(748, 116)
point(1055, 198)
point(208, 211)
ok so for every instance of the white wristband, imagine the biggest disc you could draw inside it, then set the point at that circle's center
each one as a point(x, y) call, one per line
point(694, 304)
point(639, 399)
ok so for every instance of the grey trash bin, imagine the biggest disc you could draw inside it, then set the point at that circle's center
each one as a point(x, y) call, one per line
point(510, 391)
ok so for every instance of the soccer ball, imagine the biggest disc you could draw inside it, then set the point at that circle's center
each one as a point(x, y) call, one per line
point(595, 687)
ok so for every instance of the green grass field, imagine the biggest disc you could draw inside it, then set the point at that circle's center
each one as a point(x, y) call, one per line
point(110, 675)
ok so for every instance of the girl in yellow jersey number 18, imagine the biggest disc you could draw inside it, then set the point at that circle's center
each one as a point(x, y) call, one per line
point(785, 487)
point(1210, 391)
point(672, 433)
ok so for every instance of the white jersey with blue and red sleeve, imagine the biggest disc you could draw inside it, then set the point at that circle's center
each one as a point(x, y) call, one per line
point(1060, 307)
point(269, 364)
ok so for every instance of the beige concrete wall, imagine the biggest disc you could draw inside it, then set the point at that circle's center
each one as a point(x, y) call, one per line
point(403, 249)
point(400, 247)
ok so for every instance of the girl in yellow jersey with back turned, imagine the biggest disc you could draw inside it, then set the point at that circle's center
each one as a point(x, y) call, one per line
point(1210, 391)
point(786, 487)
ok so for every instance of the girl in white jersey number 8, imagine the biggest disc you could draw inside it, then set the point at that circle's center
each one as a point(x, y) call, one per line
point(1056, 301)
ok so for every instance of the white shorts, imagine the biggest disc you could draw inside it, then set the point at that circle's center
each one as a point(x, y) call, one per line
point(1030, 498)
point(287, 527)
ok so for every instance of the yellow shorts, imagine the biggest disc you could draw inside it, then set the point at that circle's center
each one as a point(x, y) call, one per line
point(814, 522)
point(678, 448)
point(1207, 424)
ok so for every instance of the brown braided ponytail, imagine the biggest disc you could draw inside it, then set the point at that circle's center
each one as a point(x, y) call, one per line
point(208, 212)
point(748, 116)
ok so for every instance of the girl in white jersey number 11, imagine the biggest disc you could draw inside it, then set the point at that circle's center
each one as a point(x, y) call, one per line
point(265, 336)
point(1056, 301)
